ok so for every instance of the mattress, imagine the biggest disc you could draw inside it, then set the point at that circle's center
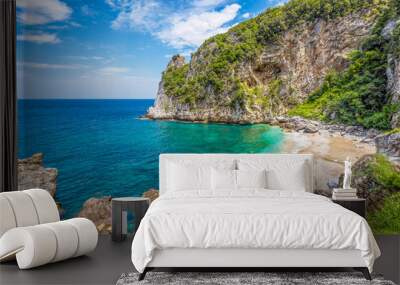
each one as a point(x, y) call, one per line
point(250, 219)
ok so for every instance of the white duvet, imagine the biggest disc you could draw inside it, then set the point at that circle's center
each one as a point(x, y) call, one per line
point(250, 219)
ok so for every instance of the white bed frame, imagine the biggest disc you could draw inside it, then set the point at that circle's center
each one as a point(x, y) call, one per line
point(250, 258)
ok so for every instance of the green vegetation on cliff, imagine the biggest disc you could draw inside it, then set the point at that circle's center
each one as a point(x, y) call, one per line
point(358, 95)
point(378, 180)
point(217, 73)
point(387, 219)
point(385, 173)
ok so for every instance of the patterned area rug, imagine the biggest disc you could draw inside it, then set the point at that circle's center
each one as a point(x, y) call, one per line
point(269, 278)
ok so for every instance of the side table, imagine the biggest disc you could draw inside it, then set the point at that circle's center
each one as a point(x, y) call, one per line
point(357, 205)
point(120, 208)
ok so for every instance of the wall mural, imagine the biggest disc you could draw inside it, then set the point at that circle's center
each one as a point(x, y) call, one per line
point(104, 87)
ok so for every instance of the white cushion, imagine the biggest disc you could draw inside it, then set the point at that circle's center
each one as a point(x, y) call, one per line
point(45, 207)
point(23, 208)
point(87, 235)
point(188, 177)
point(197, 167)
point(33, 246)
point(230, 161)
point(282, 174)
point(251, 179)
point(67, 240)
point(7, 218)
point(223, 179)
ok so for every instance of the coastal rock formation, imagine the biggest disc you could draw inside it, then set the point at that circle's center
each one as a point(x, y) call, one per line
point(282, 74)
point(98, 210)
point(393, 86)
point(389, 144)
point(303, 125)
point(393, 69)
point(165, 106)
point(152, 194)
point(375, 179)
point(304, 58)
point(32, 174)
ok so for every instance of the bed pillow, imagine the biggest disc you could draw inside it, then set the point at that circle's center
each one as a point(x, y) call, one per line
point(251, 179)
point(185, 178)
point(223, 179)
point(282, 174)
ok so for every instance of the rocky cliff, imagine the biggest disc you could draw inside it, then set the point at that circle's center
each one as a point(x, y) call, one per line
point(252, 73)
point(32, 174)
point(264, 67)
point(392, 31)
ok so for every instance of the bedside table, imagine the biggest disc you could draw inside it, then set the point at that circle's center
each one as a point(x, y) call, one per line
point(357, 205)
point(120, 208)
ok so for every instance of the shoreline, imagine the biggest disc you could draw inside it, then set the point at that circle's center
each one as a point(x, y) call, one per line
point(293, 124)
point(330, 144)
point(330, 151)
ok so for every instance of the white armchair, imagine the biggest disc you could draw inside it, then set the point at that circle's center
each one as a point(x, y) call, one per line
point(31, 230)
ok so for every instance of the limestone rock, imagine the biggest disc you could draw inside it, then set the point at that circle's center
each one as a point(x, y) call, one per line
point(389, 144)
point(152, 194)
point(393, 86)
point(393, 72)
point(98, 210)
point(388, 29)
point(310, 129)
point(32, 174)
point(163, 103)
point(300, 60)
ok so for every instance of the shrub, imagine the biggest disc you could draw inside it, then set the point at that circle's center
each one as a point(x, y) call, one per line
point(385, 173)
point(387, 219)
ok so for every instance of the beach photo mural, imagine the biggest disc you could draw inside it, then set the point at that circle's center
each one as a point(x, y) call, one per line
point(105, 86)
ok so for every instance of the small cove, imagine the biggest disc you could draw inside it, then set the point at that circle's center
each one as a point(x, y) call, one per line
point(101, 147)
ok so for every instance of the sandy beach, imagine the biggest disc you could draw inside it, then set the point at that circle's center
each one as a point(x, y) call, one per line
point(330, 150)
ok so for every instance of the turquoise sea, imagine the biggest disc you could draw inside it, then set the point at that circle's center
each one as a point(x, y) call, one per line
point(102, 147)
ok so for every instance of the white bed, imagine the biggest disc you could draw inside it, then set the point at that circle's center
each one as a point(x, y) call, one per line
point(208, 226)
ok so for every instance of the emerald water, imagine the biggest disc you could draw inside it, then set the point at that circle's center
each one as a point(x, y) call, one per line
point(102, 147)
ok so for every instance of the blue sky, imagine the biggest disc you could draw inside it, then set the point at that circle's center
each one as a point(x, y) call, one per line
point(113, 48)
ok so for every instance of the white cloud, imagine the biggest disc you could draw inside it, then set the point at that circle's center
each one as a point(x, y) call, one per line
point(208, 3)
point(41, 65)
point(276, 3)
point(75, 24)
point(117, 4)
point(192, 30)
point(246, 15)
point(139, 14)
point(42, 38)
point(68, 25)
point(181, 27)
point(112, 70)
point(87, 11)
point(57, 27)
point(39, 12)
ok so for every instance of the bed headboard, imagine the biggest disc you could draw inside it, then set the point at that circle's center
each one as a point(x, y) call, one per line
point(165, 158)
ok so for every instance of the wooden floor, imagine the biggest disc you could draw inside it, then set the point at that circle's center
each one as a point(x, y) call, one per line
point(110, 260)
point(103, 266)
